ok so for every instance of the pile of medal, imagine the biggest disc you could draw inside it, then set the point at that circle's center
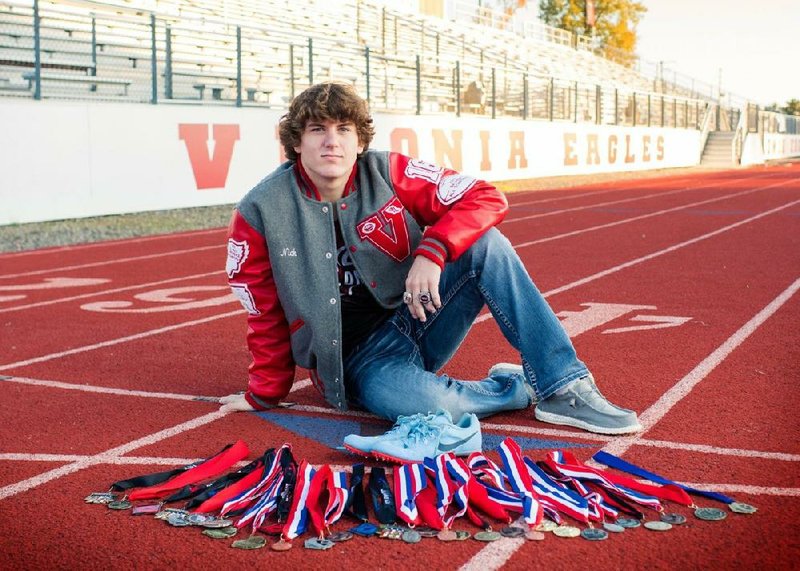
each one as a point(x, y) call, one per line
point(274, 496)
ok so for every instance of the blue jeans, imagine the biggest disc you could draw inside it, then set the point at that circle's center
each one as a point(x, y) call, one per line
point(393, 371)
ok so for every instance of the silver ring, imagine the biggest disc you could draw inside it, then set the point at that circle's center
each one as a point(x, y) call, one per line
point(407, 297)
point(424, 297)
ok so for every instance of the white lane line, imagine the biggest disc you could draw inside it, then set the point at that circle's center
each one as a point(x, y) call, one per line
point(109, 243)
point(745, 489)
point(117, 341)
point(705, 449)
point(104, 390)
point(298, 385)
point(709, 186)
point(643, 216)
point(494, 555)
point(219, 272)
point(667, 250)
point(682, 388)
point(219, 246)
point(43, 478)
point(654, 182)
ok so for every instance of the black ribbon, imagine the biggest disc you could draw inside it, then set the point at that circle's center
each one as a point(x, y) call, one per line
point(382, 497)
point(147, 480)
point(356, 506)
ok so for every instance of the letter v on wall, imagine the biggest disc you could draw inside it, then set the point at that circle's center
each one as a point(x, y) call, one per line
point(210, 171)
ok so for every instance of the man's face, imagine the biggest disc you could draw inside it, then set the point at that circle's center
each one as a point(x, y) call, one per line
point(328, 150)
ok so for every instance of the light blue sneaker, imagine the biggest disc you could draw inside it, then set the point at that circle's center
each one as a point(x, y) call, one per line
point(431, 438)
point(362, 445)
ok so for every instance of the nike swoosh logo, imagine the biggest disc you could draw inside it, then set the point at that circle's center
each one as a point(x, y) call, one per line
point(456, 444)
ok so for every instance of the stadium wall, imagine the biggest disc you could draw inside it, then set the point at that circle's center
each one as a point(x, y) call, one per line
point(70, 160)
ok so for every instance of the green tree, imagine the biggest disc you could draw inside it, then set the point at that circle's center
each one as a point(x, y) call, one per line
point(615, 23)
point(792, 107)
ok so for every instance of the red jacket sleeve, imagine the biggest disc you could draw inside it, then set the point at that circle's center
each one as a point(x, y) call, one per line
point(458, 209)
point(250, 277)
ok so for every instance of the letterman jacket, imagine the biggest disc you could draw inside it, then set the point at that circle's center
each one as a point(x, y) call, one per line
point(282, 257)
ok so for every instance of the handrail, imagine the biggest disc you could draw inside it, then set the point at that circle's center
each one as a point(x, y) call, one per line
point(738, 138)
point(705, 128)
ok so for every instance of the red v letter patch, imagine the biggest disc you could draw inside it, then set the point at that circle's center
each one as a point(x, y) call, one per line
point(209, 172)
point(395, 242)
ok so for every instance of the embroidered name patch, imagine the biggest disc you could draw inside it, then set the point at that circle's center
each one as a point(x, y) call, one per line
point(237, 254)
point(453, 187)
point(242, 292)
point(426, 171)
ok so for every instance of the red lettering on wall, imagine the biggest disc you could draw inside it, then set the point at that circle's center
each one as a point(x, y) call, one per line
point(486, 162)
point(660, 148)
point(612, 149)
point(444, 150)
point(404, 141)
point(629, 157)
point(646, 148)
point(516, 156)
point(570, 158)
point(209, 172)
point(592, 154)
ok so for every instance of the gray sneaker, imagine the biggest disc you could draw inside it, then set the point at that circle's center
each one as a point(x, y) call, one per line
point(583, 406)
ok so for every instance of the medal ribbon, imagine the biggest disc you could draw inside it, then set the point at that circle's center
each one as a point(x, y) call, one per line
point(161, 484)
point(212, 502)
point(409, 481)
point(484, 469)
point(615, 462)
point(567, 465)
point(298, 514)
point(561, 498)
point(198, 494)
point(520, 481)
point(459, 474)
point(338, 496)
point(265, 505)
point(239, 503)
point(669, 492)
point(356, 502)
point(447, 489)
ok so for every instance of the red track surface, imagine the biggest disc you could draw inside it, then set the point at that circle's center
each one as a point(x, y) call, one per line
point(716, 256)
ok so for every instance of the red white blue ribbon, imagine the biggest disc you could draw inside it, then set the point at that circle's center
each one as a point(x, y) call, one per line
point(409, 481)
point(561, 498)
point(567, 465)
point(246, 498)
point(298, 518)
point(520, 480)
point(338, 494)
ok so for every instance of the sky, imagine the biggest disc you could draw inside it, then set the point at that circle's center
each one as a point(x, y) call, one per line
point(756, 44)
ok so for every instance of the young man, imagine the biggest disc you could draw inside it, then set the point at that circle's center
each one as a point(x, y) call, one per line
point(368, 268)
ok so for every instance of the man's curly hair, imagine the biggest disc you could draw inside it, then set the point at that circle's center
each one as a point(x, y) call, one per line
point(329, 101)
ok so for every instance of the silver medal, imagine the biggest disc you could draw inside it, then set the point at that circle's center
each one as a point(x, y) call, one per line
point(594, 534)
point(628, 522)
point(710, 514)
point(673, 519)
point(657, 525)
point(740, 508)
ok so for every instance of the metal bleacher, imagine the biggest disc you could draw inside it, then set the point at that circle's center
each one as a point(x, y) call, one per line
point(263, 52)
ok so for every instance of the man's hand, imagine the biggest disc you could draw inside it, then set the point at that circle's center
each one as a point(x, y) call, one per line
point(423, 281)
point(235, 403)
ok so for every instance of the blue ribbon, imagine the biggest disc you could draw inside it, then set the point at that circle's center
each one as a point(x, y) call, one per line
point(620, 464)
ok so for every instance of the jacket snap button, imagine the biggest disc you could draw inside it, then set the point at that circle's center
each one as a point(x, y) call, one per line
point(329, 255)
point(335, 342)
point(324, 208)
point(333, 301)
point(344, 207)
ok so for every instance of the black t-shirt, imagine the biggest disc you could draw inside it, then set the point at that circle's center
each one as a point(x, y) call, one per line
point(361, 314)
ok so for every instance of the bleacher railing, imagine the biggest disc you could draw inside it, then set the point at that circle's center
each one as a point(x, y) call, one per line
point(91, 50)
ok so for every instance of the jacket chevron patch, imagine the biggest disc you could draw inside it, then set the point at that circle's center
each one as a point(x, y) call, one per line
point(387, 230)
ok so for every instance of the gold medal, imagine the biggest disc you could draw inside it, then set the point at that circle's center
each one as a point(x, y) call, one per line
point(567, 531)
point(252, 542)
